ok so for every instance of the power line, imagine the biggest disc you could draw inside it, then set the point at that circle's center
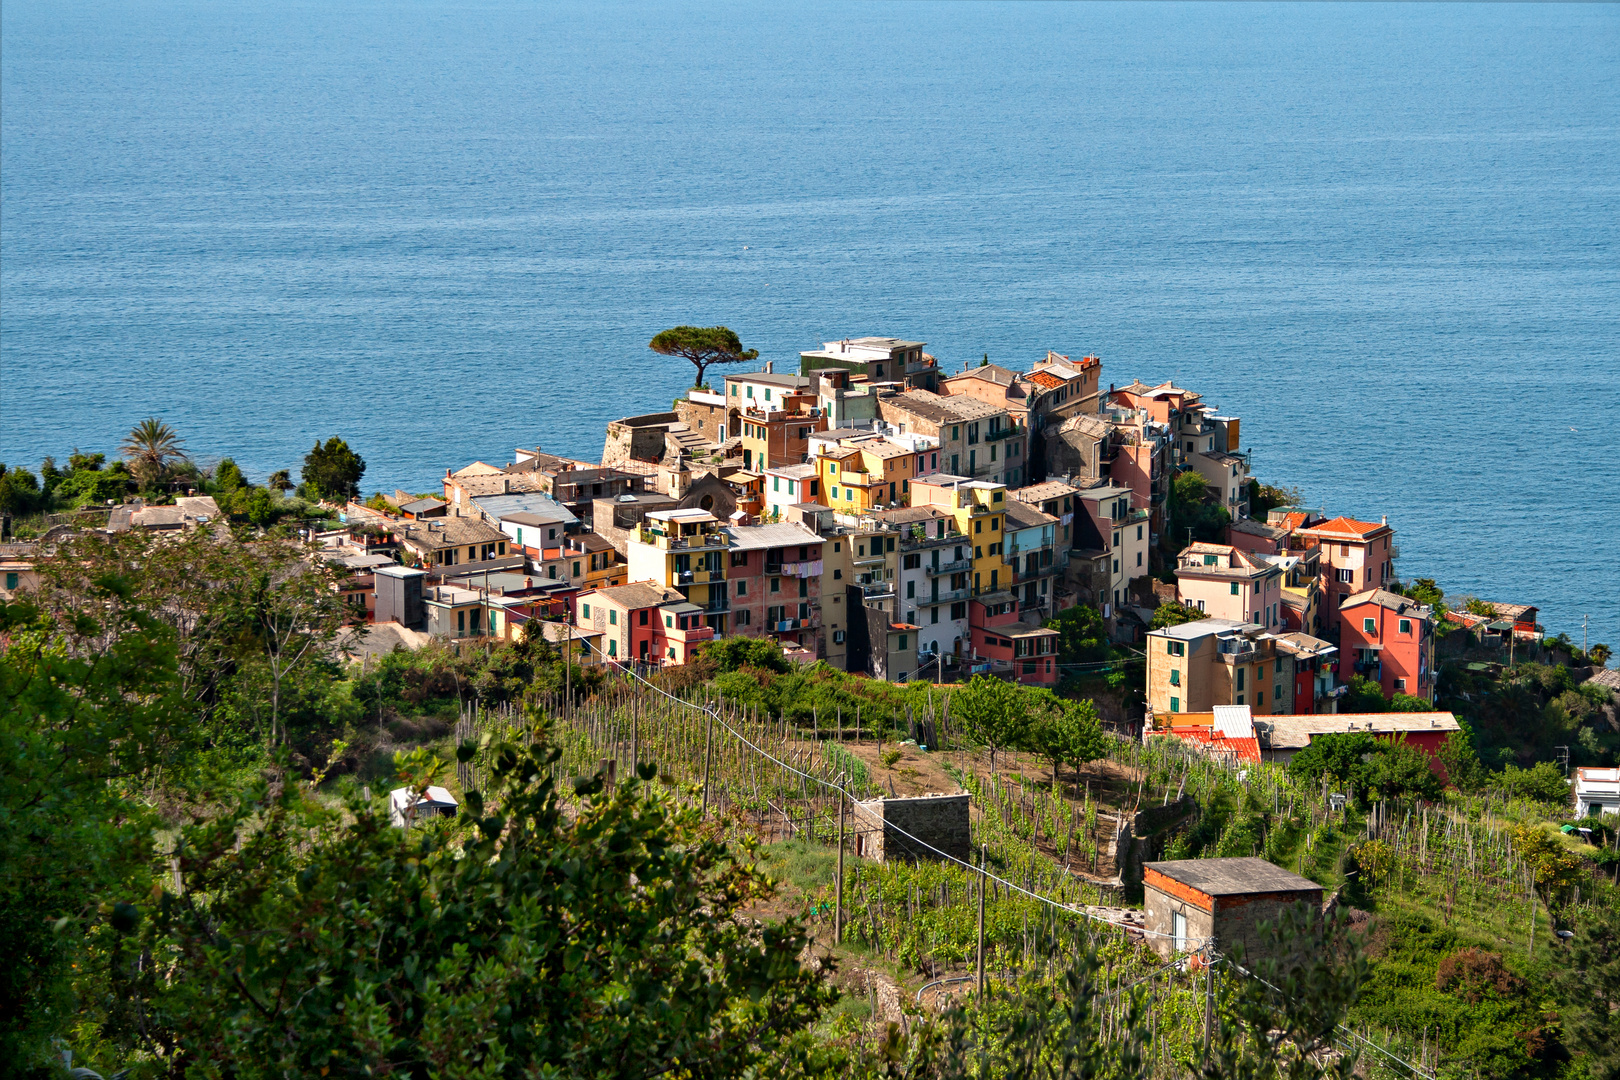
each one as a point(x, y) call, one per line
point(888, 826)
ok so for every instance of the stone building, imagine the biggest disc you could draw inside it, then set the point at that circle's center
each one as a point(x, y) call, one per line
point(1188, 901)
point(939, 821)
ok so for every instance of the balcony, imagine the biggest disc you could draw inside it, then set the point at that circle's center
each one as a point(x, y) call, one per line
point(947, 596)
point(1001, 433)
point(868, 560)
point(795, 569)
point(915, 366)
point(877, 590)
point(1032, 575)
point(699, 577)
point(955, 566)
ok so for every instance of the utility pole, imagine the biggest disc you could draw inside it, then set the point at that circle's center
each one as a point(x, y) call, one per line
point(838, 898)
point(1584, 620)
point(708, 753)
point(982, 882)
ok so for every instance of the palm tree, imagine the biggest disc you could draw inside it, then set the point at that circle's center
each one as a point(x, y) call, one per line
point(149, 448)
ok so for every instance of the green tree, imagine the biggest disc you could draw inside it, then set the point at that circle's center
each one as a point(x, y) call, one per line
point(20, 493)
point(1542, 782)
point(1337, 756)
point(1556, 868)
point(333, 471)
point(1589, 984)
point(1063, 732)
point(1462, 764)
point(991, 713)
point(518, 940)
point(1082, 638)
point(86, 483)
point(1599, 654)
point(1264, 498)
point(81, 731)
point(732, 653)
point(279, 481)
point(1363, 696)
point(1174, 615)
point(228, 477)
point(1400, 771)
point(703, 347)
point(152, 448)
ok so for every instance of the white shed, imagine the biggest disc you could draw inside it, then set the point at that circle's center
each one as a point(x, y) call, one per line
point(406, 809)
point(1597, 791)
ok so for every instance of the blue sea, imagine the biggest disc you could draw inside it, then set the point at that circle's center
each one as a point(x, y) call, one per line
point(1388, 237)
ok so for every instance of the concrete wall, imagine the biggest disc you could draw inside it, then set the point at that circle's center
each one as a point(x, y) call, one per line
point(940, 821)
point(1143, 839)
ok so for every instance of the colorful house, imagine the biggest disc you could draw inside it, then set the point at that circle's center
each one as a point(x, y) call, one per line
point(1356, 556)
point(774, 575)
point(1225, 582)
point(644, 621)
point(685, 550)
point(1389, 638)
point(1196, 666)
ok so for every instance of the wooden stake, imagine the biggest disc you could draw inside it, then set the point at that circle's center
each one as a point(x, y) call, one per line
point(708, 756)
point(838, 900)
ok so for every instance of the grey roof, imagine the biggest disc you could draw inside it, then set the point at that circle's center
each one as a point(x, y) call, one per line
point(770, 378)
point(422, 506)
point(1022, 515)
point(448, 532)
point(1258, 528)
point(1233, 877)
point(541, 506)
point(1294, 732)
point(1047, 489)
point(401, 571)
point(1385, 599)
point(637, 594)
point(755, 537)
point(1192, 631)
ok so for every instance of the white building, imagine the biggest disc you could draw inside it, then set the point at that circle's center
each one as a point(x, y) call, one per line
point(1597, 792)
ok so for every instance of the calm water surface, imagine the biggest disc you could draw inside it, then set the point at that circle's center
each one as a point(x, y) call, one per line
point(1386, 236)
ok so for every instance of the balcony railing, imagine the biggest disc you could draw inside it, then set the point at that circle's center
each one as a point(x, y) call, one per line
point(1000, 433)
point(955, 566)
point(947, 596)
point(868, 560)
point(796, 569)
point(877, 589)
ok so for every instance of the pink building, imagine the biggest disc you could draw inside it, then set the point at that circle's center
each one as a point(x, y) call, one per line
point(1388, 638)
point(1226, 583)
point(1356, 556)
point(773, 578)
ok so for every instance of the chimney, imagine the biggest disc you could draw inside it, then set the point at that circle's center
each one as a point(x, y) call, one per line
point(506, 485)
point(768, 365)
point(1384, 520)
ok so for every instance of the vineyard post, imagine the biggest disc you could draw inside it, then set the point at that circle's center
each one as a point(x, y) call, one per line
point(708, 755)
point(982, 871)
point(1209, 995)
point(838, 897)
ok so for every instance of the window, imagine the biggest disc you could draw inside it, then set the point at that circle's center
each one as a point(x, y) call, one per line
point(1175, 704)
point(739, 558)
point(1138, 558)
point(838, 637)
point(1234, 588)
point(1347, 576)
point(672, 652)
point(643, 619)
point(1139, 532)
point(744, 617)
point(934, 615)
point(1175, 676)
point(584, 611)
point(1406, 626)
point(669, 621)
point(911, 590)
point(613, 647)
point(1279, 667)
point(1176, 648)
point(1240, 673)
point(1400, 686)
point(576, 568)
point(776, 584)
point(838, 575)
point(742, 588)
point(11, 581)
point(1259, 697)
point(1368, 626)
point(613, 617)
point(995, 523)
point(903, 640)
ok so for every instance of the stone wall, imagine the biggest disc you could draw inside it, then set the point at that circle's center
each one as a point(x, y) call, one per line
point(940, 821)
point(703, 418)
point(636, 438)
point(1142, 841)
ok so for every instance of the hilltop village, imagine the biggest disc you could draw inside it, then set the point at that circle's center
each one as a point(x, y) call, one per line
point(873, 512)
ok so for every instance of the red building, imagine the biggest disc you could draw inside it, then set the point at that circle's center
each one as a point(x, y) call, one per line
point(1356, 556)
point(1028, 652)
point(1388, 638)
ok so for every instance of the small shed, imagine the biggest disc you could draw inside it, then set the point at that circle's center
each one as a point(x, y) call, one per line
point(884, 828)
point(406, 810)
point(1189, 901)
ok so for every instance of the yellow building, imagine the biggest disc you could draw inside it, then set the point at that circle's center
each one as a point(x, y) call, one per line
point(685, 550)
point(864, 474)
point(979, 508)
